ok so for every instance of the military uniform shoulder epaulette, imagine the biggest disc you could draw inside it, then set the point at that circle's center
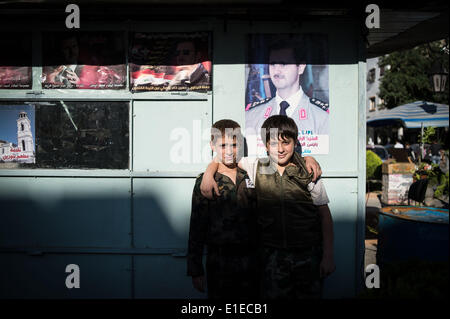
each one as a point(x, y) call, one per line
point(252, 105)
point(324, 106)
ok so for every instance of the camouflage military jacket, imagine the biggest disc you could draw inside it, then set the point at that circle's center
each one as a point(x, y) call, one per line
point(286, 213)
point(228, 220)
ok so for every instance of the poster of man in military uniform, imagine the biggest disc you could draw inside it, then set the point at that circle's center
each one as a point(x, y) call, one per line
point(287, 74)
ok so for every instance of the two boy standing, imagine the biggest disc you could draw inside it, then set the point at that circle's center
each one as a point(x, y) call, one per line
point(270, 233)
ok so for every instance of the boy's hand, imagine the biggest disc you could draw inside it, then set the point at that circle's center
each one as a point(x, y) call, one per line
point(199, 283)
point(327, 266)
point(209, 185)
point(313, 166)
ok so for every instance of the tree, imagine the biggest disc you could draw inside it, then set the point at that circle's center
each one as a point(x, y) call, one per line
point(407, 79)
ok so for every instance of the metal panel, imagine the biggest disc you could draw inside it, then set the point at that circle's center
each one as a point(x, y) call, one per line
point(343, 86)
point(171, 135)
point(72, 212)
point(343, 206)
point(229, 73)
point(162, 209)
point(163, 277)
point(361, 201)
point(41, 277)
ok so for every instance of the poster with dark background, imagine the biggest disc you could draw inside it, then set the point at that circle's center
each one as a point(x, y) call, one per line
point(16, 60)
point(83, 60)
point(170, 61)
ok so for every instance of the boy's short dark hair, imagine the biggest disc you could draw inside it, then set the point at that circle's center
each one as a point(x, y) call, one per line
point(284, 124)
point(223, 128)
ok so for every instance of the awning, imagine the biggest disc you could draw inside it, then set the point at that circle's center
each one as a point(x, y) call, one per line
point(412, 115)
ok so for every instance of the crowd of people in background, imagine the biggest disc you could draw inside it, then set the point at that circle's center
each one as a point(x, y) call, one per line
point(434, 153)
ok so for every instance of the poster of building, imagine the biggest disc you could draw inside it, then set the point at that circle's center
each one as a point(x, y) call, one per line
point(170, 61)
point(83, 60)
point(17, 142)
point(287, 74)
point(16, 60)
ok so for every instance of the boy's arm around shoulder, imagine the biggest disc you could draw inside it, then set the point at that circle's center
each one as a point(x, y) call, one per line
point(208, 184)
point(313, 166)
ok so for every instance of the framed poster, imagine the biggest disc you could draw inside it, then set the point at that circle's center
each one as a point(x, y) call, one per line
point(287, 74)
point(15, 61)
point(170, 61)
point(17, 138)
point(83, 60)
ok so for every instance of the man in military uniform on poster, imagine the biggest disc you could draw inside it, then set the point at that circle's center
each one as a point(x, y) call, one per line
point(286, 65)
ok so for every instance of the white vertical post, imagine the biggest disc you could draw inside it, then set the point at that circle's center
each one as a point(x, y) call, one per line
point(421, 143)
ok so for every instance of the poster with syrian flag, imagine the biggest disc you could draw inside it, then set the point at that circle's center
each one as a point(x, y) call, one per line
point(83, 60)
point(170, 61)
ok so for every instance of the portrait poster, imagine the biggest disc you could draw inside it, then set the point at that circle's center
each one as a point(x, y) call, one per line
point(287, 74)
point(83, 60)
point(170, 61)
point(17, 138)
point(15, 60)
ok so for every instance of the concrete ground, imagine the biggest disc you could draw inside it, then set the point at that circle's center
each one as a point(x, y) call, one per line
point(373, 206)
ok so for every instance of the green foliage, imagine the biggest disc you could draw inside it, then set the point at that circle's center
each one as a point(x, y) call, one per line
point(432, 172)
point(407, 80)
point(372, 230)
point(373, 165)
point(428, 134)
point(442, 189)
point(435, 178)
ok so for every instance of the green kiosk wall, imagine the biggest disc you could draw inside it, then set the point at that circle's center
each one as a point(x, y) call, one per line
point(127, 229)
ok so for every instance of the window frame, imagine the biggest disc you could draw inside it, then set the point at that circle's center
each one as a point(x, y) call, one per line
point(38, 94)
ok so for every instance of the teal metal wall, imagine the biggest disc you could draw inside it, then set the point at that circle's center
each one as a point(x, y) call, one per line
point(127, 229)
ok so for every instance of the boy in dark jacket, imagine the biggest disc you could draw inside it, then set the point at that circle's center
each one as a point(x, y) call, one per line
point(295, 223)
point(225, 225)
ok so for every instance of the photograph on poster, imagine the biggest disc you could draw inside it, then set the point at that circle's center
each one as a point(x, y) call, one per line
point(83, 60)
point(170, 61)
point(17, 138)
point(287, 74)
point(15, 57)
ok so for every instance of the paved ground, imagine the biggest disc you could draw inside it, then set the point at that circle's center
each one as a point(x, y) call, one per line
point(373, 206)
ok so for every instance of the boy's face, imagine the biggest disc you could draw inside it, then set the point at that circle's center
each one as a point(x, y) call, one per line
point(226, 149)
point(281, 150)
